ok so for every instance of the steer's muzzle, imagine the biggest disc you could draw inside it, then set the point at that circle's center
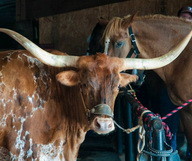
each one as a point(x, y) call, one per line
point(102, 125)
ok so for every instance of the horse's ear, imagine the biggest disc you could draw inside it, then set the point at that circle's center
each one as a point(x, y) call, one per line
point(102, 21)
point(128, 20)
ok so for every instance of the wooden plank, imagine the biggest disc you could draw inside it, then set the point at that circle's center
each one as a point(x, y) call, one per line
point(69, 31)
point(42, 8)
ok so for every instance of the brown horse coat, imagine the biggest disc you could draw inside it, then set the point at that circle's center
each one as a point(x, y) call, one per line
point(155, 35)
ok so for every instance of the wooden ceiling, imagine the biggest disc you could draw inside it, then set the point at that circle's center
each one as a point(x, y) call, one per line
point(30, 9)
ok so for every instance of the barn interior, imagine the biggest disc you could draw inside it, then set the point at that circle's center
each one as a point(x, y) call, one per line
point(66, 25)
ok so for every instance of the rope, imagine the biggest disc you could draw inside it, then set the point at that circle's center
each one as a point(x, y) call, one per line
point(166, 127)
point(149, 115)
point(141, 141)
point(177, 109)
point(130, 130)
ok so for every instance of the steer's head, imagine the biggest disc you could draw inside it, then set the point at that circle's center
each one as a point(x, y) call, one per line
point(99, 79)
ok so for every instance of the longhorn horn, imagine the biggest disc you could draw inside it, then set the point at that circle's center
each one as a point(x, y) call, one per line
point(154, 63)
point(44, 56)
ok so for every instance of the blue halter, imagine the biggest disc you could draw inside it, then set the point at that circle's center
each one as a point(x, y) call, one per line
point(135, 50)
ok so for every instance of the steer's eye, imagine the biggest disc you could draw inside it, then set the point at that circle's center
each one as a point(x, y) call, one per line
point(84, 85)
point(119, 44)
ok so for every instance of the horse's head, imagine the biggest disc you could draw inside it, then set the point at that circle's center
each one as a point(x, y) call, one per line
point(117, 32)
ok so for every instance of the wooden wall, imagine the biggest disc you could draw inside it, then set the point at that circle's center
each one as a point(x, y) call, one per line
point(68, 32)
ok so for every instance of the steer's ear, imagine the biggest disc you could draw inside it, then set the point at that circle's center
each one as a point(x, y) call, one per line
point(125, 79)
point(68, 78)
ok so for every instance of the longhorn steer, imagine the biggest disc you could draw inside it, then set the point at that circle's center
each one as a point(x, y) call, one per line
point(42, 119)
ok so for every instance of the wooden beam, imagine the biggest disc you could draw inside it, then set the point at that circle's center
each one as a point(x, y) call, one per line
point(42, 8)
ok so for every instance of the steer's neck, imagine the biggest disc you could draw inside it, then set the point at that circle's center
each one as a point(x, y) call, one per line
point(75, 122)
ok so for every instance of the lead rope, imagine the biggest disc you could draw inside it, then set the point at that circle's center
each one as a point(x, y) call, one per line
point(141, 141)
point(130, 130)
point(177, 109)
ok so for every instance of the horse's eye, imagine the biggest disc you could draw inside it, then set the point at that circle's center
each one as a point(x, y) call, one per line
point(119, 44)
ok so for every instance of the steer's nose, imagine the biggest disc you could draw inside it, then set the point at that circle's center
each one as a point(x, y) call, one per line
point(104, 124)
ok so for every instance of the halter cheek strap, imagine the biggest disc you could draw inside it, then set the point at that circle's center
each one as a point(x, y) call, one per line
point(134, 48)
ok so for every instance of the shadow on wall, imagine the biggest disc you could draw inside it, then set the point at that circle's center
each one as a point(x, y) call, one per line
point(27, 28)
point(7, 20)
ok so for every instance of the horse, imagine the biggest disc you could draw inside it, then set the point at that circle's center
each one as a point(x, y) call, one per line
point(154, 35)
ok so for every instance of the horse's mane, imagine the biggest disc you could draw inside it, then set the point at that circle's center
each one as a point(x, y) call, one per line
point(117, 23)
point(113, 27)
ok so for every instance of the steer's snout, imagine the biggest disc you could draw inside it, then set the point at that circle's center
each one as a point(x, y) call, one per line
point(103, 125)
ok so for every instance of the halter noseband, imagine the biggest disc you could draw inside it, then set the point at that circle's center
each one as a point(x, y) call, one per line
point(100, 109)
